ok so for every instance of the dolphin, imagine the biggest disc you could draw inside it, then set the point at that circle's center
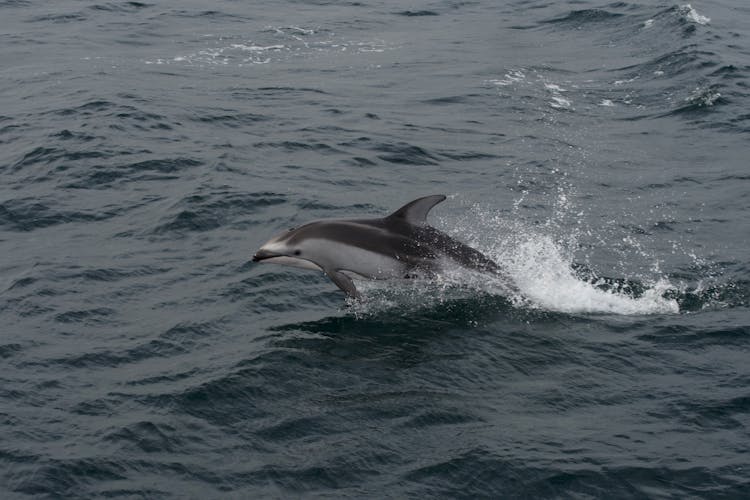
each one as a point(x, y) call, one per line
point(401, 245)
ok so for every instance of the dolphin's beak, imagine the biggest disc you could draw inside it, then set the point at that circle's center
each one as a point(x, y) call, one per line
point(263, 254)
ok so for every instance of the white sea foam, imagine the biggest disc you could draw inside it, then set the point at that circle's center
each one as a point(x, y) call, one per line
point(239, 53)
point(511, 77)
point(256, 48)
point(703, 96)
point(553, 87)
point(629, 80)
point(516, 80)
point(692, 15)
point(558, 101)
point(281, 43)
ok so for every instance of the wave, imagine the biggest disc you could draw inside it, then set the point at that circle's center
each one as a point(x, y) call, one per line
point(28, 214)
point(579, 18)
point(213, 208)
point(128, 7)
point(622, 17)
point(679, 68)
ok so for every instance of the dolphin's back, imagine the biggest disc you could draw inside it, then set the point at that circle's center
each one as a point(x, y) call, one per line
point(371, 235)
point(463, 254)
point(423, 242)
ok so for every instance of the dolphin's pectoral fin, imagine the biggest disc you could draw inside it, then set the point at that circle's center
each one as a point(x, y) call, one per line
point(344, 282)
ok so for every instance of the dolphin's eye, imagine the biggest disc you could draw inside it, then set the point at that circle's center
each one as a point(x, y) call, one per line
point(291, 229)
point(297, 252)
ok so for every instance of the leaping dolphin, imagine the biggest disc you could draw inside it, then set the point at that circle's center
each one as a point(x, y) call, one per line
point(401, 245)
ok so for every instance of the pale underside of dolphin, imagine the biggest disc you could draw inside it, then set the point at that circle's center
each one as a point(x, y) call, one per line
point(401, 245)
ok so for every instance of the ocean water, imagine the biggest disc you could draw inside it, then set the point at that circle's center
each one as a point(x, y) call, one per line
point(598, 151)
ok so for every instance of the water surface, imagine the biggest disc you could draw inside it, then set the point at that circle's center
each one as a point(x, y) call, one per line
point(597, 151)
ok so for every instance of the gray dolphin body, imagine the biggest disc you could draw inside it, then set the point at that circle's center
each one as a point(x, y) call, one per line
point(401, 245)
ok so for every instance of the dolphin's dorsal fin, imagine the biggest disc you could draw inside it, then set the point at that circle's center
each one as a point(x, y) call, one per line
point(415, 212)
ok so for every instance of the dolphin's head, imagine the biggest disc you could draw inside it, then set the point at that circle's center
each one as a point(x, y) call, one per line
point(289, 248)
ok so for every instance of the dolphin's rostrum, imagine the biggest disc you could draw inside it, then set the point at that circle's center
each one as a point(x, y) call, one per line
point(401, 245)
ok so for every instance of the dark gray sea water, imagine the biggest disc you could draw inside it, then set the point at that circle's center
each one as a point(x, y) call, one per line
point(597, 151)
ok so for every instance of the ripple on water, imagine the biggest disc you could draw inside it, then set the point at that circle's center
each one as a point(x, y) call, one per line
point(147, 437)
point(211, 208)
point(129, 6)
point(157, 169)
point(585, 18)
point(28, 214)
point(49, 155)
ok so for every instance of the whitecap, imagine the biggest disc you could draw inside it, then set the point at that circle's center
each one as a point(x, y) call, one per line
point(559, 102)
point(554, 87)
point(692, 15)
point(510, 78)
point(703, 96)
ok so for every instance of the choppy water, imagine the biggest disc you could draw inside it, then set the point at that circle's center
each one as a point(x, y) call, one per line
point(597, 151)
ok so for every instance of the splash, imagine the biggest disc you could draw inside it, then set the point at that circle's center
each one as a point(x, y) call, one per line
point(539, 274)
point(540, 261)
point(703, 97)
point(511, 77)
point(692, 15)
point(546, 278)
